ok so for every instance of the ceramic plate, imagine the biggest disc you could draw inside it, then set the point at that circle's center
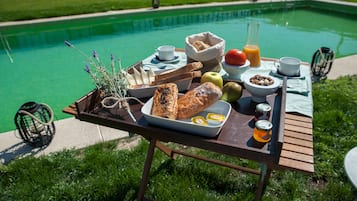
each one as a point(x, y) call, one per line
point(185, 125)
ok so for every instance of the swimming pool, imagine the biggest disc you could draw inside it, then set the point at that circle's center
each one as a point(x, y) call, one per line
point(39, 67)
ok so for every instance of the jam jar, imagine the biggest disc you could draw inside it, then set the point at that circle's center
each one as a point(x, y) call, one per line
point(262, 112)
point(263, 131)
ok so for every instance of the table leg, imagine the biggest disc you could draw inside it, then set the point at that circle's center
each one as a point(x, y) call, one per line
point(263, 181)
point(168, 151)
point(146, 171)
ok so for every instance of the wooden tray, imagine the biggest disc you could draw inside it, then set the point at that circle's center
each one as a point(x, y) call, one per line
point(235, 137)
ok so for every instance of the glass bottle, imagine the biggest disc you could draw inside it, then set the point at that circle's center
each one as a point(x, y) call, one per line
point(251, 48)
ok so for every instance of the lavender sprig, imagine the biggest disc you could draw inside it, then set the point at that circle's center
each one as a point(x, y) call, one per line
point(96, 56)
point(69, 44)
point(112, 63)
point(113, 83)
point(94, 78)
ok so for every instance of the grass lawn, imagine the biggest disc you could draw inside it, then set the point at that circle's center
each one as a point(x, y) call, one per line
point(101, 172)
point(12, 10)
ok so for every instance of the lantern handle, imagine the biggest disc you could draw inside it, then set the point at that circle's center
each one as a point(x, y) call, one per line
point(323, 59)
point(37, 119)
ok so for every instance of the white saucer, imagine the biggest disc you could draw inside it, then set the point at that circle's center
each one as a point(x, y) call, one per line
point(275, 72)
point(156, 59)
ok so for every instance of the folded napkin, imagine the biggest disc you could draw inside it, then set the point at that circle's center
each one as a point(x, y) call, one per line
point(298, 86)
point(300, 104)
point(299, 94)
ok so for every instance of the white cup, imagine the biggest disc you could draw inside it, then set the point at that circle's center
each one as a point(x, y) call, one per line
point(289, 66)
point(166, 52)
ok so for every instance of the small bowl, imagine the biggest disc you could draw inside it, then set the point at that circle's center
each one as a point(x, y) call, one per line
point(259, 92)
point(235, 72)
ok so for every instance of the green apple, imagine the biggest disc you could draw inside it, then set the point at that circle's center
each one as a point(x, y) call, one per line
point(231, 92)
point(213, 77)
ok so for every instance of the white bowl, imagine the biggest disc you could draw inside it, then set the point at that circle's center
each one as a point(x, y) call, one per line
point(235, 72)
point(259, 92)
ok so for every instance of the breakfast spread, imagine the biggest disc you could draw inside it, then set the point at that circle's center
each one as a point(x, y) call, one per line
point(190, 107)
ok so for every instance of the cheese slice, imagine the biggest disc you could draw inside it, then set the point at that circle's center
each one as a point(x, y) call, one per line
point(144, 76)
point(137, 77)
point(129, 78)
point(151, 76)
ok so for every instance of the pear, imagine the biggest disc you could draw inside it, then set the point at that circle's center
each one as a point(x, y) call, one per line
point(231, 92)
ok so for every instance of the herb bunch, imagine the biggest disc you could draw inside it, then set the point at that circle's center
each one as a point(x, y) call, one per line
point(111, 81)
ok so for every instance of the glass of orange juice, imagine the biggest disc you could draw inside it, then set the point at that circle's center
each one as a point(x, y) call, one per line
point(251, 48)
point(253, 54)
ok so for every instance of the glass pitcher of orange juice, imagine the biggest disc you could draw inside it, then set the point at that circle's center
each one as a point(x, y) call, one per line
point(251, 48)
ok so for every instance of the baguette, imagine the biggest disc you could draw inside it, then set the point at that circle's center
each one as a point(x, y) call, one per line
point(165, 101)
point(185, 69)
point(198, 99)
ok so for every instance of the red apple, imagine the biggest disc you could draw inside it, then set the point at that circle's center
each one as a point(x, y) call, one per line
point(235, 57)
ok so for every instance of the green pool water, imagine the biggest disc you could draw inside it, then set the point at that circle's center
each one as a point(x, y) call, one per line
point(36, 65)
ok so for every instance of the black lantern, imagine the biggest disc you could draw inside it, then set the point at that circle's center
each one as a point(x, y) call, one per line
point(322, 62)
point(35, 123)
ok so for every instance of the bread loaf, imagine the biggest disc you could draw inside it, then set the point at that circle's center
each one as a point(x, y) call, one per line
point(198, 99)
point(200, 45)
point(176, 72)
point(165, 101)
point(183, 76)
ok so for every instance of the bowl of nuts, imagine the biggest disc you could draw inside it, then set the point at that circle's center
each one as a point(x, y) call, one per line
point(260, 86)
